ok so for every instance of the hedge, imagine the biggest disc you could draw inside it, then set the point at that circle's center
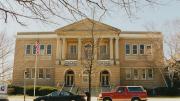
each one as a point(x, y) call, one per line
point(163, 91)
point(40, 90)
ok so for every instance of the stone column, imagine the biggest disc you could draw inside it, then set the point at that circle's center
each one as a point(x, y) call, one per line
point(79, 49)
point(63, 48)
point(95, 49)
point(57, 48)
point(60, 49)
point(117, 50)
point(57, 51)
point(111, 50)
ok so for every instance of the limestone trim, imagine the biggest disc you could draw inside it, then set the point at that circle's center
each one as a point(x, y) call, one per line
point(111, 48)
point(63, 48)
point(135, 36)
point(79, 48)
point(117, 50)
point(36, 36)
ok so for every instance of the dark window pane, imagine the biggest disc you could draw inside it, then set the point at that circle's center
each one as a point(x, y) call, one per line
point(48, 49)
point(135, 89)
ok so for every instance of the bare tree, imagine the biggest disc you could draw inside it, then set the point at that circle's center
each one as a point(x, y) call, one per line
point(173, 63)
point(5, 53)
point(44, 10)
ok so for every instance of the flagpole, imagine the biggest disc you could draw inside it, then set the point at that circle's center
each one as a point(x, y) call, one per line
point(35, 76)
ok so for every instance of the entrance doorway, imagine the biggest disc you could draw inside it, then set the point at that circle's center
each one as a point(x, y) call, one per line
point(104, 78)
point(69, 78)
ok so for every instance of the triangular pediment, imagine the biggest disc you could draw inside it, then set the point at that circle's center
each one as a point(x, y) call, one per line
point(87, 25)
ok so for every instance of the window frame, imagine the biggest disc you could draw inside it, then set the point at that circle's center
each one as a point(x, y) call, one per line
point(39, 73)
point(84, 75)
point(47, 49)
point(28, 72)
point(33, 72)
point(71, 47)
point(129, 49)
point(150, 49)
point(128, 71)
point(148, 74)
point(142, 73)
point(137, 78)
point(106, 51)
point(29, 49)
point(33, 46)
point(45, 74)
point(134, 49)
point(141, 49)
point(43, 49)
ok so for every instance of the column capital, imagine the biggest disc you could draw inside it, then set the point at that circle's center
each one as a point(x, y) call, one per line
point(117, 38)
point(95, 38)
point(79, 39)
point(111, 38)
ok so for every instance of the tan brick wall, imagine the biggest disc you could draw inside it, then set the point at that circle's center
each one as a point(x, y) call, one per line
point(78, 70)
point(83, 31)
point(22, 61)
point(157, 80)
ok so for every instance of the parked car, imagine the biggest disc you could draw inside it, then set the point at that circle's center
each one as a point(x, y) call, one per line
point(61, 96)
point(124, 93)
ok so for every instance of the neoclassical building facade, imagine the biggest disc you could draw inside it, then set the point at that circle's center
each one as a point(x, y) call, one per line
point(120, 57)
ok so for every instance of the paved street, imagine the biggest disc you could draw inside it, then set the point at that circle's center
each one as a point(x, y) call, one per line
point(20, 98)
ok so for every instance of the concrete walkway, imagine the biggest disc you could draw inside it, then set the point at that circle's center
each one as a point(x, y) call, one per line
point(29, 98)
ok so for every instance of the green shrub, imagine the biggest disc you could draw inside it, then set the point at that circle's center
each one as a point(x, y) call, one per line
point(164, 91)
point(46, 90)
point(30, 90)
point(18, 90)
point(40, 90)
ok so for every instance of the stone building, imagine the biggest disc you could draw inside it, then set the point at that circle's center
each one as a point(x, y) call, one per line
point(121, 57)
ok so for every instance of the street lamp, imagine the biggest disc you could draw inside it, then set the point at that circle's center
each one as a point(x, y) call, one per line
point(25, 73)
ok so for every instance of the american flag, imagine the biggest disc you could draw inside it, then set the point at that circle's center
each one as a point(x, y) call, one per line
point(37, 45)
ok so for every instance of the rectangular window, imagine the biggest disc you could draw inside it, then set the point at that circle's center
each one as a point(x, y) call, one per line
point(34, 49)
point(48, 73)
point(42, 49)
point(143, 74)
point(85, 79)
point(136, 74)
point(150, 73)
point(128, 74)
point(135, 49)
point(103, 52)
point(32, 72)
point(128, 48)
point(73, 49)
point(40, 73)
point(49, 49)
point(28, 73)
point(148, 50)
point(141, 49)
point(72, 52)
point(28, 49)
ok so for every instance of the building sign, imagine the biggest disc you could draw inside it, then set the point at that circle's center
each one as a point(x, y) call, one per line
point(3, 87)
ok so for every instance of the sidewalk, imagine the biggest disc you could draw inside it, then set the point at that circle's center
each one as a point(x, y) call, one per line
point(30, 98)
